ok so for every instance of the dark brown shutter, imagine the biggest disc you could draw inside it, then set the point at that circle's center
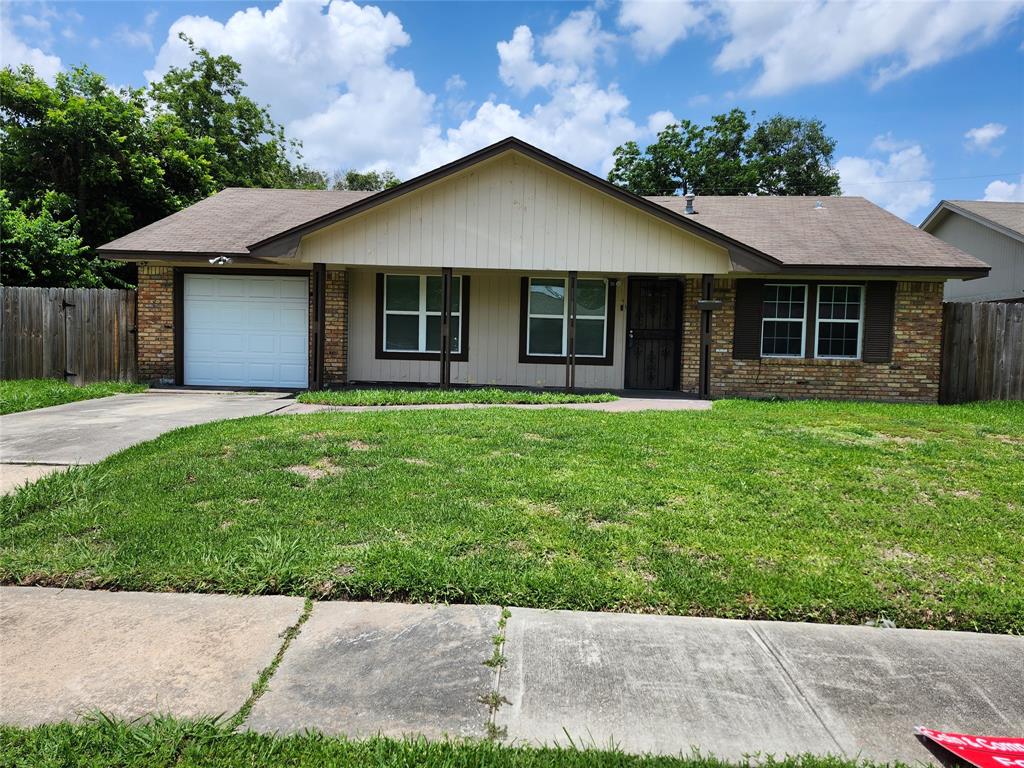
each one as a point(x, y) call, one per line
point(879, 309)
point(746, 338)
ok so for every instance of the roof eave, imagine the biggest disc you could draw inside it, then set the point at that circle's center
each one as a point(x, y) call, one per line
point(945, 207)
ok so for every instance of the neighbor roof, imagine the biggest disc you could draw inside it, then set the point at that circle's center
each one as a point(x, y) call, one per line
point(228, 222)
point(761, 234)
point(825, 232)
point(1007, 218)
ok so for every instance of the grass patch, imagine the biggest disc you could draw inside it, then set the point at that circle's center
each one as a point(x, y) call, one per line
point(28, 394)
point(483, 395)
point(808, 511)
point(164, 742)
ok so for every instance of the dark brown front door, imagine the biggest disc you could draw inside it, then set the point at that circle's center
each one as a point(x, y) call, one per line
point(653, 333)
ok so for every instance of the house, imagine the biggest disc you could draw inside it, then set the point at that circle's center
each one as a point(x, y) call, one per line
point(994, 232)
point(535, 273)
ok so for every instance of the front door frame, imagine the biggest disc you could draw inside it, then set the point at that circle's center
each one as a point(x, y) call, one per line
point(680, 287)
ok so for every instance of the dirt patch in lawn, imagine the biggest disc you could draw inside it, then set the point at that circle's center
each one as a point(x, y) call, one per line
point(321, 469)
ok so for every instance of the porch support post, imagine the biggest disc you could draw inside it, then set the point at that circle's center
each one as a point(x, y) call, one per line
point(707, 285)
point(570, 336)
point(445, 378)
point(319, 326)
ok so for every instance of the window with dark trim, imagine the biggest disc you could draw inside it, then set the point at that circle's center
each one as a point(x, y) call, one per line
point(835, 328)
point(409, 317)
point(840, 318)
point(544, 320)
point(783, 320)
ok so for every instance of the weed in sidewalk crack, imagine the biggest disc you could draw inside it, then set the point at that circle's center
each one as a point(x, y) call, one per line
point(494, 700)
point(263, 681)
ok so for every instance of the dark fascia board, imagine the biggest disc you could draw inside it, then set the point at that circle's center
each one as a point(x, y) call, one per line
point(198, 258)
point(945, 207)
point(738, 252)
point(893, 272)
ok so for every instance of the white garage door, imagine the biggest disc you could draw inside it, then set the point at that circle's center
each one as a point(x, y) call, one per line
point(246, 330)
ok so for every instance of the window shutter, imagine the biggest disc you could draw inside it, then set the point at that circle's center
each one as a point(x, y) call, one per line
point(879, 311)
point(746, 339)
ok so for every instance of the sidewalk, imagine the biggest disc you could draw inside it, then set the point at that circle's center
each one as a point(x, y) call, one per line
point(644, 683)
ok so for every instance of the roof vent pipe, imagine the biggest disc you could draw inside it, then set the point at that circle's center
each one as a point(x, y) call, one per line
point(689, 204)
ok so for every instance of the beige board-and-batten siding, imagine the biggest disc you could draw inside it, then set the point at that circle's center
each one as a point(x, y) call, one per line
point(513, 213)
point(494, 308)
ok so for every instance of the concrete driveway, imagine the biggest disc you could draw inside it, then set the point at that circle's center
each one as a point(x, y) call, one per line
point(33, 443)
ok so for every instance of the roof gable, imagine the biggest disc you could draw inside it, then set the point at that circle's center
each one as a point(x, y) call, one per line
point(1006, 218)
point(285, 242)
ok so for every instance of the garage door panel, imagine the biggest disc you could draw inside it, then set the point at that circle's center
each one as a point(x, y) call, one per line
point(246, 330)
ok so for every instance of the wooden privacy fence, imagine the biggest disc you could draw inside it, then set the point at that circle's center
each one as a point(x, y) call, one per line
point(77, 334)
point(982, 352)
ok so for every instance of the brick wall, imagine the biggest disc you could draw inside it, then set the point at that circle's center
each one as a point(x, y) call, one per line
point(155, 324)
point(912, 375)
point(336, 337)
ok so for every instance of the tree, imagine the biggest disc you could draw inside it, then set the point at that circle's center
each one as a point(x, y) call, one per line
point(370, 181)
point(44, 248)
point(781, 156)
point(94, 147)
point(793, 157)
point(116, 161)
point(250, 150)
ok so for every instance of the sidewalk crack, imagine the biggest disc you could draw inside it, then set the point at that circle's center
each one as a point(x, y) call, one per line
point(763, 640)
point(263, 681)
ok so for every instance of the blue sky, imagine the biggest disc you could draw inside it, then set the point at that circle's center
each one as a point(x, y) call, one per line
point(926, 100)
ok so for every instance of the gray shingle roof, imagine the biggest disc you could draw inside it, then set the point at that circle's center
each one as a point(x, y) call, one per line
point(232, 219)
point(844, 232)
point(1007, 215)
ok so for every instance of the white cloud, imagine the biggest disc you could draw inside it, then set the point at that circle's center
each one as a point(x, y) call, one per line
point(802, 44)
point(324, 69)
point(518, 68)
point(579, 40)
point(656, 25)
point(982, 138)
point(1005, 191)
point(898, 181)
point(15, 52)
point(657, 121)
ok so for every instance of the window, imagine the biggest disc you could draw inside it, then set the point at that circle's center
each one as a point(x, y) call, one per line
point(409, 316)
point(839, 320)
point(546, 320)
point(783, 320)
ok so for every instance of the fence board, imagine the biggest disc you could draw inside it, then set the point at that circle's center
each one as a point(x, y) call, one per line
point(81, 334)
point(982, 352)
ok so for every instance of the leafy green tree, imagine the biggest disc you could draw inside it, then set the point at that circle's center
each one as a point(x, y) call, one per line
point(781, 156)
point(95, 147)
point(793, 157)
point(370, 181)
point(208, 99)
point(44, 247)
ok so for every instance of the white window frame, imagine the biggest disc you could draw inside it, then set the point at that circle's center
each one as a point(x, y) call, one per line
point(422, 314)
point(564, 317)
point(859, 321)
point(802, 321)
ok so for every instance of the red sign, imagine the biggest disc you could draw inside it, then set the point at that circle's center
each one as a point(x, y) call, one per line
point(982, 751)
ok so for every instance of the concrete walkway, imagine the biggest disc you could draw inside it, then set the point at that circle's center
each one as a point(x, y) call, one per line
point(35, 443)
point(648, 401)
point(644, 683)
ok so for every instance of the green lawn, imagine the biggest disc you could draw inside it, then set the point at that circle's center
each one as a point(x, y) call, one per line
point(488, 395)
point(29, 394)
point(796, 511)
point(182, 744)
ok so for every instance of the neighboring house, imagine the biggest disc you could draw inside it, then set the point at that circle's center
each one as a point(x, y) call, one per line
point(759, 296)
point(994, 232)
